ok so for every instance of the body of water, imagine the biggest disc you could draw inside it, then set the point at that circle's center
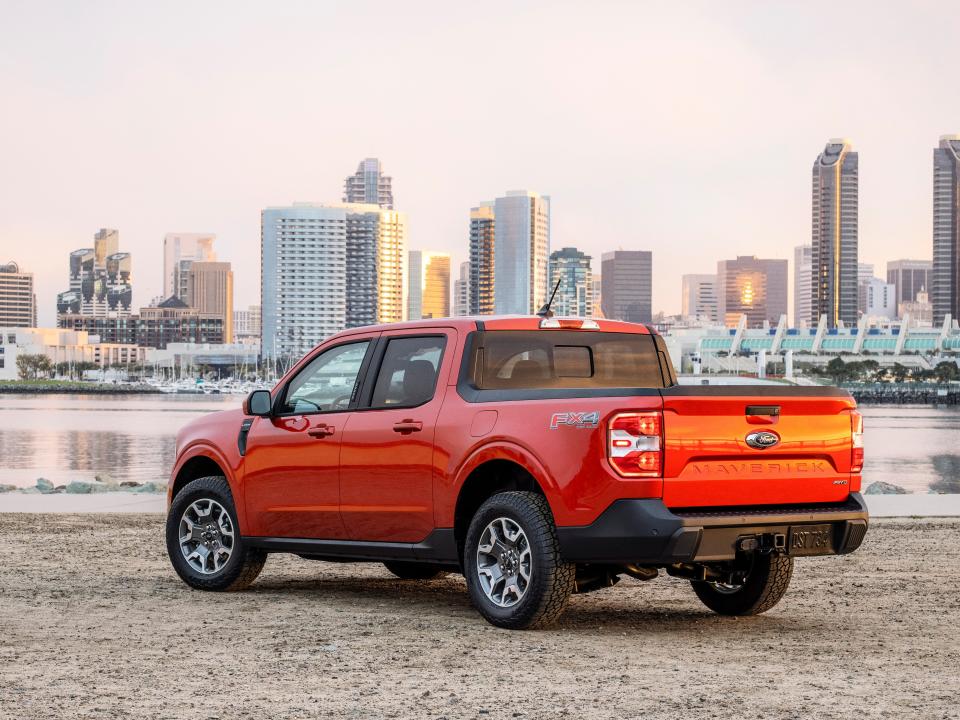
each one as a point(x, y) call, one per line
point(72, 437)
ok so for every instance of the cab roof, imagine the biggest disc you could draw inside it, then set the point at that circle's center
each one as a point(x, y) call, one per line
point(509, 322)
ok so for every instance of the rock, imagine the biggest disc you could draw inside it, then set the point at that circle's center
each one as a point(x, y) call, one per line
point(150, 487)
point(59, 489)
point(884, 488)
point(7, 488)
point(29, 491)
point(129, 484)
point(44, 485)
point(945, 486)
point(87, 487)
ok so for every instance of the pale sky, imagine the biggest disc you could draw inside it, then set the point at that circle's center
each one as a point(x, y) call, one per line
point(688, 129)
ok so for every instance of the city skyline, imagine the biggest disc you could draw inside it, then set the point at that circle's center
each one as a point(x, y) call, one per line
point(629, 110)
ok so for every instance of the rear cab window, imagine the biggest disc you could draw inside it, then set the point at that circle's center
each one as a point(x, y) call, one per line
point(565, 361)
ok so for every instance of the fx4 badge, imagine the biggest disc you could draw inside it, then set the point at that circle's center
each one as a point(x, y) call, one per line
point(762, 440)
point(575, 419)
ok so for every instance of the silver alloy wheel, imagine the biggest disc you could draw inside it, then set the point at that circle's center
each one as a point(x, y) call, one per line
point(726, 588)
point(206, 536)
point(504, 562)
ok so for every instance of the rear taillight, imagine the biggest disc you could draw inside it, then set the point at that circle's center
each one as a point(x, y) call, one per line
point(856, 451)
point(634, 445)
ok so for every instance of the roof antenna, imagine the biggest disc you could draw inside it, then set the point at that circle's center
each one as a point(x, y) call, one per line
point(545, 311)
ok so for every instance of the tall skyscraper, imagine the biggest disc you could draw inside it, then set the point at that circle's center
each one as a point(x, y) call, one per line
point(461, 291)
point(376, 262)
point(627, 285)
point(597, 309)
point(753, 287)
point(571, 268)
point(303, 277)
point(521, 251)
point(18, 303)
point(803, 285)
point(210, 290)
point(910, 277)
point(100, 279)
point(481, 259)
point(699, 300)
point(428, 290)
point(945, 283)
point(835, 231)
point(179, 250)
point(368, 185)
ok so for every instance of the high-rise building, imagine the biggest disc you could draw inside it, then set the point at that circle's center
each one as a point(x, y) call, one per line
point(100, 279)
point(246, 323)
point(865, 276)
point(428, 290)
point(571, 268)
point(18, 303)
point(521, 251)
point(835, 232)
point(368, 185)
point(179, 250)
point(376, 261)
point(209, 289)
point(597, 310)
point(945, 283)
point(803, 285)
point(311, 254)
point(754, 287)
point(481, 259)
point(461, 291)
point(303, 277)
point(910, 277)
point(880, 298)
point(627, 285)
point(699, 300)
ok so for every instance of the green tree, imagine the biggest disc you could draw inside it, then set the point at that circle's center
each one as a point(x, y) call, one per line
point(899, 372)
point(947, 371)
point(31, 367)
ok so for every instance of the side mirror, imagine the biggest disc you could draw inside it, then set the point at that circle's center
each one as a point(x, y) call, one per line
point(258, 403)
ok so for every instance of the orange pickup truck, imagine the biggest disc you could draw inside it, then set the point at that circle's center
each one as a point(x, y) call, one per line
point(539, 457)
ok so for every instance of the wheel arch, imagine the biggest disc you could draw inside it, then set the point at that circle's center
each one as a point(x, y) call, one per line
point(202, 461)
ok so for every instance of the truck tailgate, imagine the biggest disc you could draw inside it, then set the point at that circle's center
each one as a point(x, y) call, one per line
point(756, 445)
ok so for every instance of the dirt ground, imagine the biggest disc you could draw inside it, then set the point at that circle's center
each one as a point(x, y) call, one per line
point(94, 624)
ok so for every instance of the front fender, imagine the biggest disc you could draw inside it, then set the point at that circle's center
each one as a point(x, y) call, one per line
point(201, 448)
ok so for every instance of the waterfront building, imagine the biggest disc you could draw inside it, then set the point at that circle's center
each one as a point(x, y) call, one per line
point(18, 303)
point(229, 357)
point(753, 287)
point(461, 291)
point(835, 216)
point(428, 288)
point(246, 324)
point(179, 251)
point(100, 279)
point(521, 252)
point(627, 285)
point(481, 259)
point(574, 298)
point(62, 346)
point(369, 186)
point(803, 285)
point(699, 300)
point(880, 299)
point(945, 282)
point(910, 277)
point(209, 289)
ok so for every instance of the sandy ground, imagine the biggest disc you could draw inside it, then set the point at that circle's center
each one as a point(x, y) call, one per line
point(94, 624)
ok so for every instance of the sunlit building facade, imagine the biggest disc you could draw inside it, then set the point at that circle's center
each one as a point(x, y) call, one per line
point(571, 268)
point(521, 252)
point(209, 289)
point(428, 289)
point(101, 282)
point(834, 255)
point(481, 259)
point(179, 251)
point(754, 287)
point(910, 277)
point(18, 303)
point(945, 283)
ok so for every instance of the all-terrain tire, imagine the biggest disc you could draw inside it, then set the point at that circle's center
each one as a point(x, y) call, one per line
point(244, 563)
point(551, 580)
point(764, 586)
point(413, 570)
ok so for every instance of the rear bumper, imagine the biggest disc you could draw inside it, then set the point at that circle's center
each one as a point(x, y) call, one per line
point(646, 532)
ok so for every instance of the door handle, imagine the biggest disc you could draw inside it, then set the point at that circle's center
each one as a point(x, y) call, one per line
point(321, 431)
point(405, 427)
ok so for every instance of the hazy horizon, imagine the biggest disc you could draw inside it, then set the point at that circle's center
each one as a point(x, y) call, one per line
point(686, 130)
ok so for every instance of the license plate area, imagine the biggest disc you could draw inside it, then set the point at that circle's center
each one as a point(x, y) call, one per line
point(810, 540)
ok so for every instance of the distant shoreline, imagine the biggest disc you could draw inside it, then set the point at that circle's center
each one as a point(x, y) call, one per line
point(53, 387)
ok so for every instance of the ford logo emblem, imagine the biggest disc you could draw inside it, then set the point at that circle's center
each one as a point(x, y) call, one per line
point(762, 440)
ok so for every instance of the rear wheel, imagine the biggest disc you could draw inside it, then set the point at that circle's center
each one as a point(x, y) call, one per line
point(763, 587)
point(413, 570)
point(203, 538)
point(512, 563)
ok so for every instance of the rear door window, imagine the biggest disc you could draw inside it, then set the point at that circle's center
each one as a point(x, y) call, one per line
point(408, 372)
point(559, 359)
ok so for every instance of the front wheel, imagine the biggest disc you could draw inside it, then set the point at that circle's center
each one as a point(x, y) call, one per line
point(763, 587)
point(515, 575)
point(203, 538)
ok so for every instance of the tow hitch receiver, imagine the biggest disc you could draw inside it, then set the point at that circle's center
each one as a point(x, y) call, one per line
point(766, 543)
